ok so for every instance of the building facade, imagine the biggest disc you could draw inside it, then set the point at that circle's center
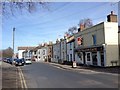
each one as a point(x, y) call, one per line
point(49, 52)
point(98, 45)
point(56, 52)
point(63, 50)
point(70, 41)
point(23, 49)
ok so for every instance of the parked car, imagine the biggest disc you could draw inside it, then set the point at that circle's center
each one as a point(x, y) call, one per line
point(19, 62)
point(28, 61)
point(9, 60)
point(5, 59)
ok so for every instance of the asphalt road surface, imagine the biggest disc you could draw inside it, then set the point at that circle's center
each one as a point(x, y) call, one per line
point(42, 75)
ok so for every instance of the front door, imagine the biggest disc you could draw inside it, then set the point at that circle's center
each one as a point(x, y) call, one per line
point(88, 58)
point(84, 62)
point(94, 58)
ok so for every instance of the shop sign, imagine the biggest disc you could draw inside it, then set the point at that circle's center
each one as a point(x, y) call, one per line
point(70, 39)
point(79, 40)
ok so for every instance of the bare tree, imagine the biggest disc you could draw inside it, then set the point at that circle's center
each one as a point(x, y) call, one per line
point(72, 30)
point(10, 7)
point(86, 22)
point(7, 52)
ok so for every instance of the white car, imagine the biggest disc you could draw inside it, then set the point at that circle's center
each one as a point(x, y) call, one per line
point(28, 61)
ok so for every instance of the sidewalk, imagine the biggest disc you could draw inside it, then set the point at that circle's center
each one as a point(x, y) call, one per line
point(10, 77)
point(113, 70)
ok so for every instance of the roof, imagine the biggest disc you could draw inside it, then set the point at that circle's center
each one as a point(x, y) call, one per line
point(25, 48)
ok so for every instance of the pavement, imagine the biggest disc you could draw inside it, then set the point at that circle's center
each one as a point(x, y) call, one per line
point(109, 70)
point(10, 77)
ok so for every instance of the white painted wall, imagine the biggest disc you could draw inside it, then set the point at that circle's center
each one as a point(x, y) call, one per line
point(111, 41)
point(70, 51)
point(20, 53)
point(111, 33)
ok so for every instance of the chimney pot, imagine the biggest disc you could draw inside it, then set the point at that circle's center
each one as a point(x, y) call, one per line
point(111, 12)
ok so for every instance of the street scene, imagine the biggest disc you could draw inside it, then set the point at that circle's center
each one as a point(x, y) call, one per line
point(73, 45)
point(53, 76)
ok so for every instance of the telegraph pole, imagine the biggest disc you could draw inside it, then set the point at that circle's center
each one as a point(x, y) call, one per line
point(13, 40)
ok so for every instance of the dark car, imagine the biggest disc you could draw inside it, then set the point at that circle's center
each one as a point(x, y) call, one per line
point(19, 62)
point(9, 60)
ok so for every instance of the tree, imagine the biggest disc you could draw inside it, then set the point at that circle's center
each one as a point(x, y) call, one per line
point(12, 6)
point(72, 30)
point(86, 22)
point(7, 52)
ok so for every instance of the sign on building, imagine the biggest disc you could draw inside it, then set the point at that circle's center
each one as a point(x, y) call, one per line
point(79, 40)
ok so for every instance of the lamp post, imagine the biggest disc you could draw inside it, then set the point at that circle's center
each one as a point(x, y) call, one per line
point(13, 40)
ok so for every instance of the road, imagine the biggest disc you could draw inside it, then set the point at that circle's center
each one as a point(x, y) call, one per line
point(43, 75)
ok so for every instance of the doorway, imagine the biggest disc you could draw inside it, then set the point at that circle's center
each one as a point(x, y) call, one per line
point(94, 58)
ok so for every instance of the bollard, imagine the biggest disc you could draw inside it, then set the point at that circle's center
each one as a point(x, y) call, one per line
point(74, 64)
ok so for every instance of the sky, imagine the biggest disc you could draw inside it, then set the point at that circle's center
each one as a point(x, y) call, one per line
point(46, 25)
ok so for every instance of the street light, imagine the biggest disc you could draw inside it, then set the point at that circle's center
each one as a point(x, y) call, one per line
point(13, 40)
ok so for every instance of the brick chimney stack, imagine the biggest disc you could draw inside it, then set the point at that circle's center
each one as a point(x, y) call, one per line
point(112, 17)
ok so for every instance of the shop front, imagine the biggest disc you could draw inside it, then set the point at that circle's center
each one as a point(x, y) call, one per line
point(93, 55)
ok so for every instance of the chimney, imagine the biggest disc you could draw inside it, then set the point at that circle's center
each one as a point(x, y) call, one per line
point(57, 41)
point(112, 17)
point(82, 26)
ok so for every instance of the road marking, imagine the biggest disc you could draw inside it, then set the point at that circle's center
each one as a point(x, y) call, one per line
point(22, 79)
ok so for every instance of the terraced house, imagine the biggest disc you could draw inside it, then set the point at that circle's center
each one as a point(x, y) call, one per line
point(70, 41)
point(26, 51)
point(63, 50)
point(98, 45)
point(40, 52)
point(56, 52)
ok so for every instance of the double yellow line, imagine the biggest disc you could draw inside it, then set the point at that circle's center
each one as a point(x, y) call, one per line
point(22, 79)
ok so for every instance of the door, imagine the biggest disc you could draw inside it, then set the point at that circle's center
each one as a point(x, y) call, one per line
point(94, 58)
point(84, 61)
point(88, 58)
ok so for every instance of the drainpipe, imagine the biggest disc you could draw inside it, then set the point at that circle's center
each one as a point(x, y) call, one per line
point(104, 49)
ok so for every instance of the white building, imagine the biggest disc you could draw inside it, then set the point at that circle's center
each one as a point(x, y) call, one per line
point(70, 41)
point(40, 53)
point(23, 49)
point(98, 45)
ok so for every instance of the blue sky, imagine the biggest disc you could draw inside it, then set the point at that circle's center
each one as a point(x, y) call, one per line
point(48, 25)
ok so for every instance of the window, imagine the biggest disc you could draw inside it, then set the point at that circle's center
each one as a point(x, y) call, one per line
point(35, 52)
point(43, 52)
point(94, 39)
point(88, 56)
point(67, 57)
